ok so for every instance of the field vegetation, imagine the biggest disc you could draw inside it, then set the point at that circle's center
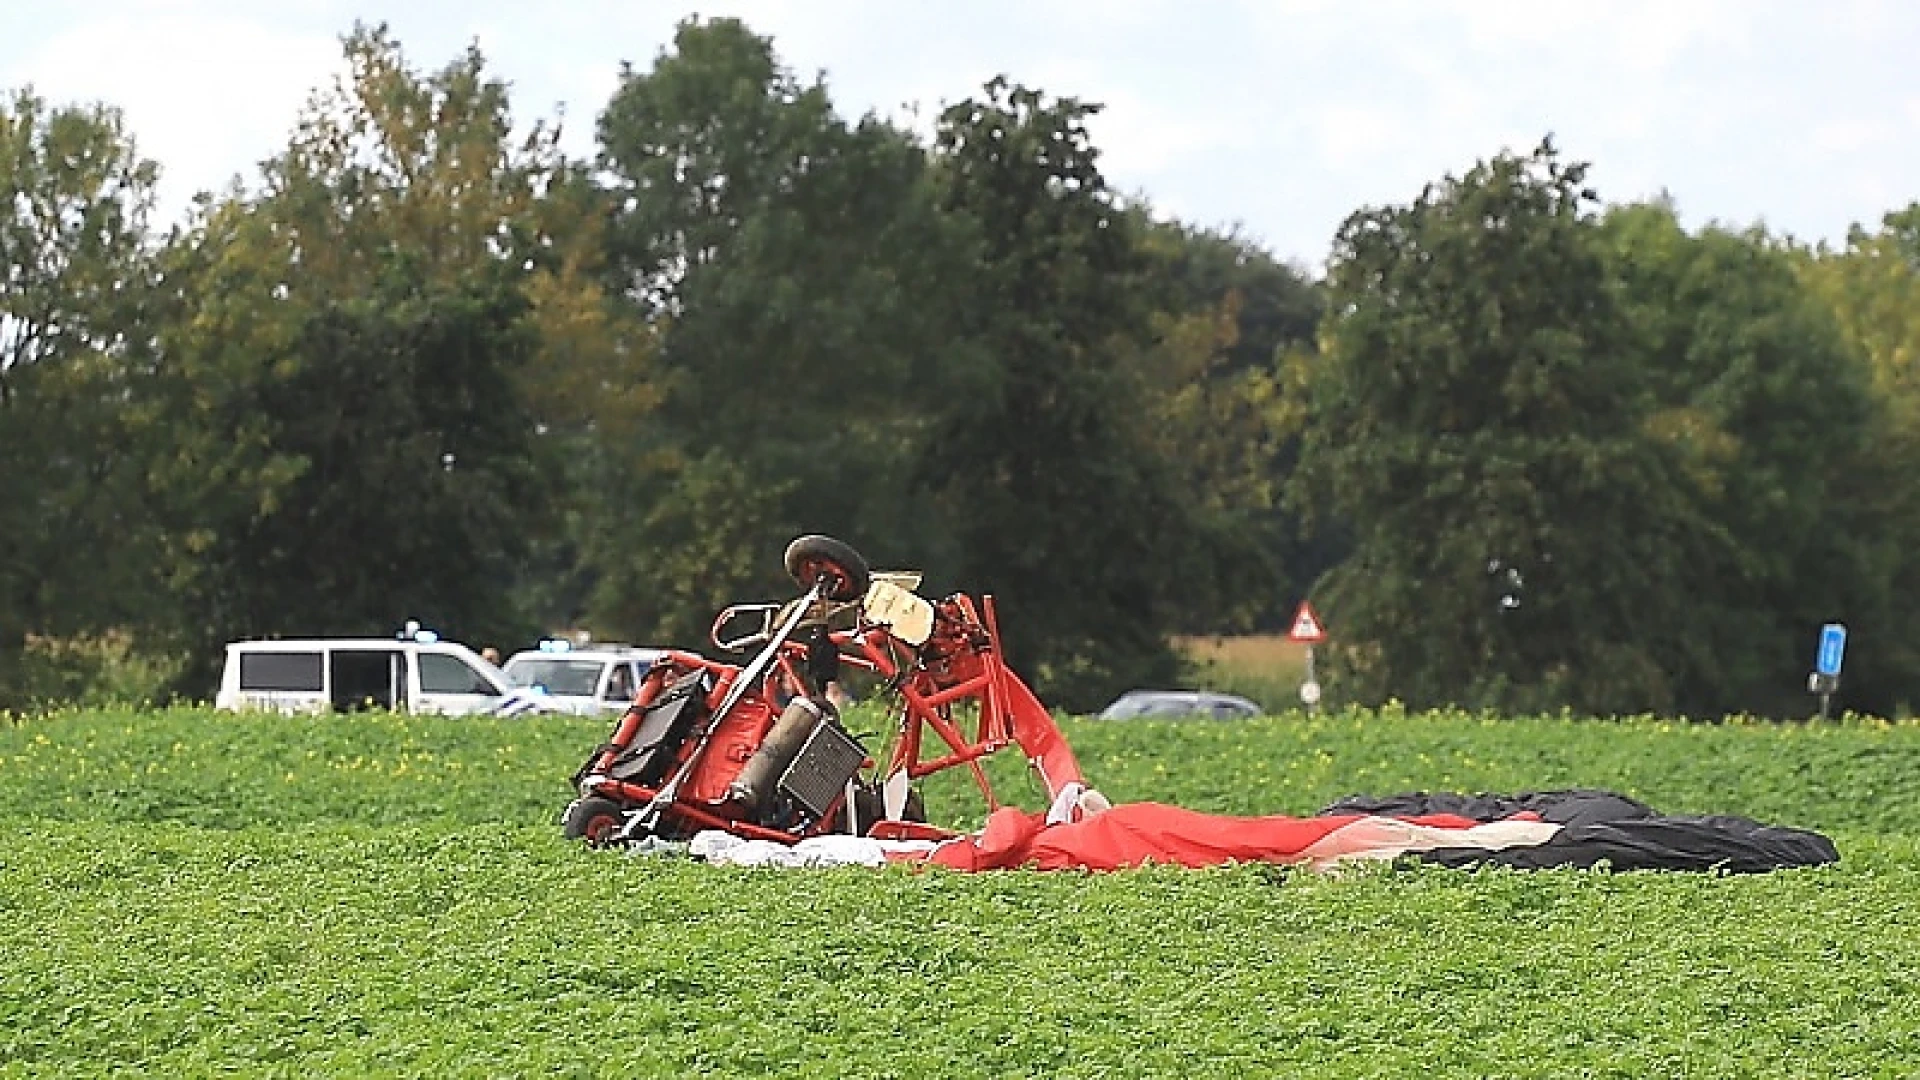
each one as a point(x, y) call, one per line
point(186, 893)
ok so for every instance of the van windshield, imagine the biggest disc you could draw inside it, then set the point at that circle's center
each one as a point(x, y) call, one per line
point(567, 678)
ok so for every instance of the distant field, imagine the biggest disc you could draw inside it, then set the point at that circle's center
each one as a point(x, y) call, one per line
point(1265, 667)
point(188, 893)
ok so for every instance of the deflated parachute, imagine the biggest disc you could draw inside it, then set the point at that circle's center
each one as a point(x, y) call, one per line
point(1606, 828)
point(1581, 828)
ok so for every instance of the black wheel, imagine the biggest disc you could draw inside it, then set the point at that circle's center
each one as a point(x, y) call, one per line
point(594, 819)
point(812, 557)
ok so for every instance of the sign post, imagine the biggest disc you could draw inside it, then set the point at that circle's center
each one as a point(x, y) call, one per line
point(1308, 630)
point(1827, 659)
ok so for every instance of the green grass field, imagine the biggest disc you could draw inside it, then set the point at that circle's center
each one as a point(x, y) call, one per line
point(186, 893)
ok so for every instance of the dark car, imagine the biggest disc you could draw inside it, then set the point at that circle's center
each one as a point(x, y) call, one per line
point(1179, 703)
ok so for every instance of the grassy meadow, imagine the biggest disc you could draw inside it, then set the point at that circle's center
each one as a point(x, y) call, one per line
point(186, 893)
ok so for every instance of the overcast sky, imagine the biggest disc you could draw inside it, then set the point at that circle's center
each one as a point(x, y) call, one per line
point(1281, 116)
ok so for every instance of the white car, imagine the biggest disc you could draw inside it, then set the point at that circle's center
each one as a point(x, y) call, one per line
point(584, 680)
point(419, 673)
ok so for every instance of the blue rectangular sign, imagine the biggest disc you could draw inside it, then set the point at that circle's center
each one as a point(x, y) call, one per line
point(1833, 649)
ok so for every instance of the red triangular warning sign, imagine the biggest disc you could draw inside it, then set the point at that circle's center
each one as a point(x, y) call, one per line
point(1306, 626)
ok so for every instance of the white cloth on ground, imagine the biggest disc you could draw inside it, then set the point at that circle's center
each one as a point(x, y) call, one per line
point(833, 849)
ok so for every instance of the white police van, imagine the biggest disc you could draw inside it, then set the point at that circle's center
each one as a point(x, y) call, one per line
point(413, 673)
point(583, 679)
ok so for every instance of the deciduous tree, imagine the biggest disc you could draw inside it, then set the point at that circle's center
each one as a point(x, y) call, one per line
point(1476, 416)
point(1057, 495)
point(76, 251)
point(800, 280)
point(349, 349)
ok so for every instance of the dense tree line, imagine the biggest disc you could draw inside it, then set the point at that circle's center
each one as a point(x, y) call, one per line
point(1524, 449)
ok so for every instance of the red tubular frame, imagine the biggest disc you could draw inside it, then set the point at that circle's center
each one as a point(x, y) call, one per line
point(961, 662)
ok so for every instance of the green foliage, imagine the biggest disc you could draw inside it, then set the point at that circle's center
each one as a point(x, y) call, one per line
point(430, 368)
point(1772, 418)
point(1044, 477)
point(671, 558)
point(1475, 418)
point(1273, 306)
point(427, 922)
point(210, 769)
point(74, 198)
point(92, 670)
point(1217, 414)
point(194, 766)
point(415, 471)
point(1607, 464)
point(1846, 777)
point(799, 272)
point(72, 233)
point(1872, 287)
point(425, 365)
point(471, 951)
point(352, 444)
point(937, 361)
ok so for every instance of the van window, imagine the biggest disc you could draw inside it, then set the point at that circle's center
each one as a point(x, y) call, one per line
point(443, 674)
point(369, 679)
point(280, 671)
